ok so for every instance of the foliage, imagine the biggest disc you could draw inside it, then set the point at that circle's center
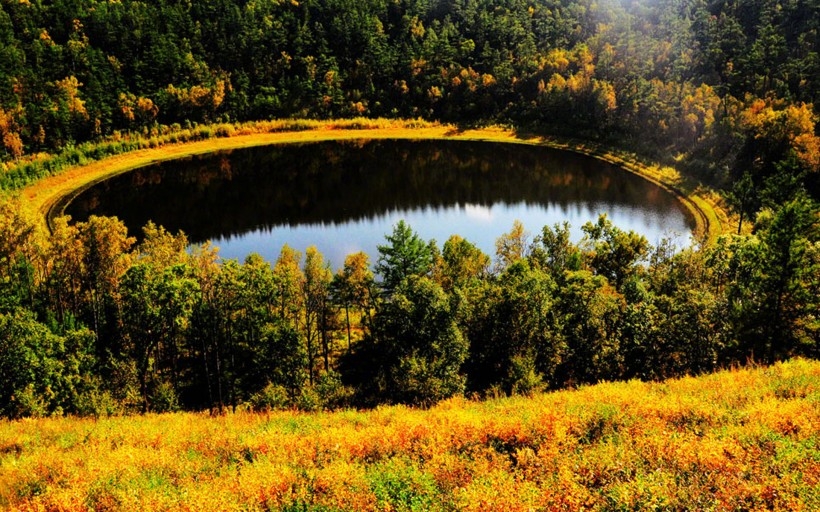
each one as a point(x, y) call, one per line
point(723, 89)
point(738, 439)
point(419, 347)
point(97, 323)
point(405, 255)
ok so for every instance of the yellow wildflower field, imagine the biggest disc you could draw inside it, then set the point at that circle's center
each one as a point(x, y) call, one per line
point(742, 439)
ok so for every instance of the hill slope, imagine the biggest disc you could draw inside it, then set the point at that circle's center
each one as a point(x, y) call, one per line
point(742, 439)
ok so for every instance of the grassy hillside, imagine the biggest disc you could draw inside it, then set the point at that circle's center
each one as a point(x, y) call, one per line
point(737, 440)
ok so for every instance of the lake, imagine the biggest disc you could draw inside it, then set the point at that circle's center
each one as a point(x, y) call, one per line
point(345, 196)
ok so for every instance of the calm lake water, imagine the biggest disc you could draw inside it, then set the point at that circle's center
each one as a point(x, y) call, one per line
point(346, 196)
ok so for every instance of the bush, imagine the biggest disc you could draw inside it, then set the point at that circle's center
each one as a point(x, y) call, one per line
point(164, 398)
point(309, 399)
point(273, 396)
point(225, 130)
point(327, 392)
point(99, 403)
point(31, 404)
point(332, 393)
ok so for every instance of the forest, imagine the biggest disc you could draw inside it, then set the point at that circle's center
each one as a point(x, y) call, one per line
point(93, 321)
point(723, 89)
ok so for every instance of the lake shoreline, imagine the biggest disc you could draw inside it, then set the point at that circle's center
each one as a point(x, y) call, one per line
point(50, 195)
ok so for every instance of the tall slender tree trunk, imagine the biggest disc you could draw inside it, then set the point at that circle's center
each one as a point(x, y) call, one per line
point(347, 320)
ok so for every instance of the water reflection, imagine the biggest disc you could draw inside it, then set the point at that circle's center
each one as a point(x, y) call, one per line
point(345, 196)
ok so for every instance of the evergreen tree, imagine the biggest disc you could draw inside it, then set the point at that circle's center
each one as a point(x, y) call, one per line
point(404, 256)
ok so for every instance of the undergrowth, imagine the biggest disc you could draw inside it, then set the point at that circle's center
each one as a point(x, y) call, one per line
point(737, 440)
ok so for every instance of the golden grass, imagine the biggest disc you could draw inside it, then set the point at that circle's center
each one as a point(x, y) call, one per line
point(49, 195)
point(737, 440)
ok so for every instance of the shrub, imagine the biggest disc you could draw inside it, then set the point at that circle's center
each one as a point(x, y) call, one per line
point(273, 396)
point(164, 398)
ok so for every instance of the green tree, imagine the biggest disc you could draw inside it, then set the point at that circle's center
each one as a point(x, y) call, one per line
point(352, 288)
point(462, 262)
point(405, 255)
point(260, 343)
point(553, 251)
point(316, 300)
point(681, 322)
point(736, 263)
point(20, 244)
point(65, 286)
point(288, 278)
point(107, 253)
point(613, 253)
point(267, 346)
point(31, 366)
point(516, 344)
point(157, 305)
point(742, 199)
point(419, 347)
point(589, 311)
point(789, 275)
point(227, 327)
point(511, 247)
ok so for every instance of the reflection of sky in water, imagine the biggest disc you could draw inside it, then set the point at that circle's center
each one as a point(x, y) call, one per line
point(345, 198)
point(479, 224)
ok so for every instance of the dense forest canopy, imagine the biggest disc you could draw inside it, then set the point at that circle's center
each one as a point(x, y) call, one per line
point(726, 88)
point(93, 322)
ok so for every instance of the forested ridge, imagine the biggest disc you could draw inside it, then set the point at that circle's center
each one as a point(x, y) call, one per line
point(723, 88)
point(91, 321)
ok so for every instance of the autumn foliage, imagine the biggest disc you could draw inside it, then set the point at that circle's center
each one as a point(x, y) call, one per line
point(741, 439)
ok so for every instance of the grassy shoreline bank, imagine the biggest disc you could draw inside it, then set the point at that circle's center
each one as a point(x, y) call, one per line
point(48, 196)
